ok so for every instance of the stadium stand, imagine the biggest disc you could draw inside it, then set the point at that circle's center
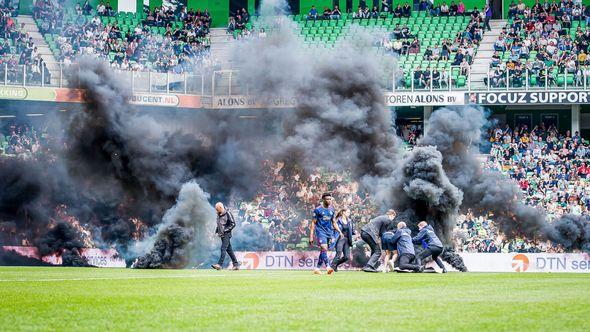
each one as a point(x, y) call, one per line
point(433, 48)
point(18, 140)
point(159, 40)
point(546, 44)
point(19, 56)
point(551, 169)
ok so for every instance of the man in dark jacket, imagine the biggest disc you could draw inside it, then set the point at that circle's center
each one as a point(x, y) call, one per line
point(433, 246)
point(225, 224)
point(371, 233)
point(405, 248)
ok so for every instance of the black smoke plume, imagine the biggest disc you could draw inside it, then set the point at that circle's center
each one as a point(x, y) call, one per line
point(450, 256)
point(185, 234)
point(20, 185)
point(64, 239)
point(425, 193)
point(340, 121)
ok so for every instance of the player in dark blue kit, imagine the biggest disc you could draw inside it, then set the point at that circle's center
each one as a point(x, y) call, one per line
point(324, 230)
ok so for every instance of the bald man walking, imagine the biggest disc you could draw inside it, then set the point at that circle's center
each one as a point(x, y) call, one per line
point(225, 224)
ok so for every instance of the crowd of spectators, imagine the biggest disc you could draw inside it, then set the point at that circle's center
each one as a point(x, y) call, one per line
point(552, 170)
point(545, 43)
point(240, 27)
point(164, 40)
point(288, 196)
point(17, 50)
point(20, 140)
point(410, 133)
point(459, 51)
point(550, 167)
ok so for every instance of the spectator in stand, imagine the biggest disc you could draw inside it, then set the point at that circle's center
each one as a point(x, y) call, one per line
point(398, 11)
point(231, 25)
point(326, 14)
point(335, 14)
point(453, 8)
point(423, 6)
point(312, 14)
point(375, 12)
point(488, 17)
point(406, 10)
point(385, 7)
point(461, 8)
point(444, 9)
point(419, 78)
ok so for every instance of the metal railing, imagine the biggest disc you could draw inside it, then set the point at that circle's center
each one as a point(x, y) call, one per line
point(229, 82)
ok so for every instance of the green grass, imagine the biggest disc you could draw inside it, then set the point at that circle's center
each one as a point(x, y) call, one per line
point(72, 299)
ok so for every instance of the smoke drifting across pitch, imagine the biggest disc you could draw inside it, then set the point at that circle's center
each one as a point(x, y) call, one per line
point(341, 122)
point(149, 163)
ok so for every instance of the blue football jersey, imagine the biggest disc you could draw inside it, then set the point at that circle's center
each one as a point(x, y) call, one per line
point(324, 217)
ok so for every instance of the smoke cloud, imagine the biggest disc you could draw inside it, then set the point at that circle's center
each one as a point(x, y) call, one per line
point(184, 233)
point(135, 172)
point(252, 237)
point(341, 122)
point(65, 239)
point(456, 133)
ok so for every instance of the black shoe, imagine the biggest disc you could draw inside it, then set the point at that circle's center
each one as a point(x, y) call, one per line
point(369, 269)
point(444, 271)
point(216, 266)
point(420, 269)
point(236, 266)
point(335, 268)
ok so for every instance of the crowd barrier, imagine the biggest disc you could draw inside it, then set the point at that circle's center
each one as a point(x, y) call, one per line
point(307, 260)
point(475, 262)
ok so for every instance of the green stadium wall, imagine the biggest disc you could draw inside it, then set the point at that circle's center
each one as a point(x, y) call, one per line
point(26, 7)
point(219, 9)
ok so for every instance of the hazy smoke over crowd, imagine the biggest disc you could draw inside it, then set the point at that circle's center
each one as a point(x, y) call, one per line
point(341, 121)
point(251, 237)
point(456, 133)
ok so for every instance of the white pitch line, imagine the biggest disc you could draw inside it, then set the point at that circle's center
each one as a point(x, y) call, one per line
point(140, 277)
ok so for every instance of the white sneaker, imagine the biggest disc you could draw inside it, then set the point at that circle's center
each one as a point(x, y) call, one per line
point(390, 266)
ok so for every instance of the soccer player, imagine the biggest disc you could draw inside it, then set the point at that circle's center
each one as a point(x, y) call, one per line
point(405, 248)
point(322, 229)
point(371, 233)
point(434, 246)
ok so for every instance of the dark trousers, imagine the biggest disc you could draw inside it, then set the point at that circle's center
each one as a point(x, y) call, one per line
point(226, 247)
point(486, 24)
point(434, 252)
point(405, 262)
point(373, 262)
point(342, 252)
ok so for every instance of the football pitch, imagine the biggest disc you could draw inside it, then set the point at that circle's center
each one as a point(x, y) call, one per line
point(82, 299)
